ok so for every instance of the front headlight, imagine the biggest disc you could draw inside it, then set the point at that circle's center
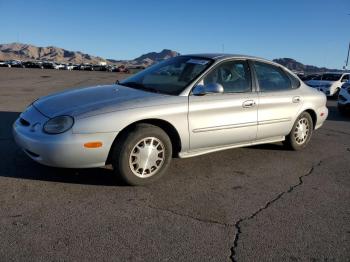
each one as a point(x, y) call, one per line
point(58, 124)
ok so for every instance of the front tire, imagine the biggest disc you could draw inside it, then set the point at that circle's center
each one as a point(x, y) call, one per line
point(142, 156)
point(301, 132)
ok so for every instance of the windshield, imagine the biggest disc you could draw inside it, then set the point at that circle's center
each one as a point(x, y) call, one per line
point(331, 77)
point(170, 76)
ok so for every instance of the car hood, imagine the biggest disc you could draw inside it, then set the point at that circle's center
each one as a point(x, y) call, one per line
point(95, 100)
point(319, 82)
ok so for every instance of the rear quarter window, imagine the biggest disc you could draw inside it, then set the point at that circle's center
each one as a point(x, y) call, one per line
point(271, 78)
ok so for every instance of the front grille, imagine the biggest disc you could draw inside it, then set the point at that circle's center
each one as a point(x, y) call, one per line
point(24, 122)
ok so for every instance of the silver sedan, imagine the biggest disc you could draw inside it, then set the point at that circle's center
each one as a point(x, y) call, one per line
point(185, 106)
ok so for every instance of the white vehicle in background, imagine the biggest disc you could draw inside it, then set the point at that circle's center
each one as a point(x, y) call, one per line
point(60, 66)
point(69, 67)
point(344, 98)
point(329, 83)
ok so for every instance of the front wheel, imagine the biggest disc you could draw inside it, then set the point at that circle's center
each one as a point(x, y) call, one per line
point(301, 132)
point(142, 155)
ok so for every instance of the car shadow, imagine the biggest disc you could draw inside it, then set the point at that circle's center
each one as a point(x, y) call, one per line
point(16, 164)
point(276, 146)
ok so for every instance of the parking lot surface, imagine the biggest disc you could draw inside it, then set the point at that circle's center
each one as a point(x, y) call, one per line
point(262, 203)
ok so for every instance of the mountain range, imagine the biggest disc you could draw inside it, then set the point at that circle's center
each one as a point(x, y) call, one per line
point(19, 51)
point(296, 66)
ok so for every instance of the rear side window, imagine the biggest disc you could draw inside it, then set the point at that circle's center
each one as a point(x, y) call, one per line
point(271, 78)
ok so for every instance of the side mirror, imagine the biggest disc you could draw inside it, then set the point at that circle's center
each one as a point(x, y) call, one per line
point(211, 88)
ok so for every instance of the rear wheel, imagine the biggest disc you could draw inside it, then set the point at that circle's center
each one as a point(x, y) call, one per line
point(142, 155)
point(301, 132)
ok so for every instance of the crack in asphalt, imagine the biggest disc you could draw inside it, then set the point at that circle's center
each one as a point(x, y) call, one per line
point(237, 225)
point(210, 221)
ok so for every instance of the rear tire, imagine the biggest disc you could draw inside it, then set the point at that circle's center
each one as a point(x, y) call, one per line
point(142, 156)
point(301, 132)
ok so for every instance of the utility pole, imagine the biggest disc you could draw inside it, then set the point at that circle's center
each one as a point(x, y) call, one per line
point(347, 58)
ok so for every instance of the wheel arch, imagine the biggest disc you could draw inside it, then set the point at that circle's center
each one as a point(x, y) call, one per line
point(313, 115)
point(167, 127)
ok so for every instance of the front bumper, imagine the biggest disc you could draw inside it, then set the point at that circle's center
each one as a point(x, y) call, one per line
point(61, 150)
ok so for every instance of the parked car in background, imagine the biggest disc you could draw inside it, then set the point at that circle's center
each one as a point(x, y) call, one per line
point(185, 106)
point(344, 98)
point(78, 67)
point(60, 66)
point(329, 83)
point(14, 63)
point(31, 64)
point(3, 64)
point(48, 65)
point(123, 69)
point(87, 67)
point(99, 68)
point(71, 67)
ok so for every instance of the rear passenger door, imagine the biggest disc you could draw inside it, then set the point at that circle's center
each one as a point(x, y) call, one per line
point(279, 100)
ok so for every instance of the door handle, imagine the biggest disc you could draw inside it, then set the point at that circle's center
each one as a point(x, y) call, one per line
point(296, 99)
point(248, 103)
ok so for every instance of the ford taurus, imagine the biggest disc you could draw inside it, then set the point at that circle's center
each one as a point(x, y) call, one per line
point(184, 106)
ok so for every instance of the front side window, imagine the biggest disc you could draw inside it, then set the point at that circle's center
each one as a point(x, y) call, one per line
point(234, 76)
point(169, 77)
point(271, 78)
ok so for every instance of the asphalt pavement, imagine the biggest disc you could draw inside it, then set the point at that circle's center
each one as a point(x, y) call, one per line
point(261, 203)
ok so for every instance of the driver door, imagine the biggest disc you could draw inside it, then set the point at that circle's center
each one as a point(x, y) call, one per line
point(226, 118)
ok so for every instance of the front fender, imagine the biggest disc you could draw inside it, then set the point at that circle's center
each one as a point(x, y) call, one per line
point(175, 114)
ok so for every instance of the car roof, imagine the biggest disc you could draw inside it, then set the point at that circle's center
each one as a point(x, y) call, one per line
point(221, 56)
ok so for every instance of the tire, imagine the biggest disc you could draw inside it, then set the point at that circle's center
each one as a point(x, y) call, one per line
point(135, 165)
point(301, 133)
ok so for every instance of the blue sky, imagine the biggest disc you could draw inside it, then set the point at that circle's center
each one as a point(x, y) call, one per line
point(313, 32)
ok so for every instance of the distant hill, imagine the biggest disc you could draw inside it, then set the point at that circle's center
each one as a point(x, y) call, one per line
point(299, 67)
point(153, 57)
point(20, 51)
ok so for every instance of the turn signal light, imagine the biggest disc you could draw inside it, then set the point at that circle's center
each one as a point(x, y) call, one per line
point(95, 144)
